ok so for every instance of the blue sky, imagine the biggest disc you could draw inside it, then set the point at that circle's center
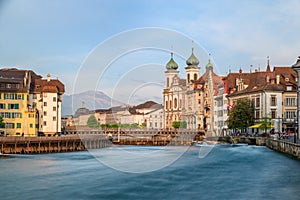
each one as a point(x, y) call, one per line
point(57, 36)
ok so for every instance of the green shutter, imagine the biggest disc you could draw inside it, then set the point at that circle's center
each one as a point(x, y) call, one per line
point(16, 106)
point(22, 96)
point(13, 115)
point(4, 95)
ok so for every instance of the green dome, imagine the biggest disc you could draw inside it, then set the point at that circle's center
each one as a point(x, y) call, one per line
point(172, 64)
point(192, 60)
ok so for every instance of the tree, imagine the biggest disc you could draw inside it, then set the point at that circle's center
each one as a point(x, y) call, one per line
point(1, 121)
point(241, 116)
point(266, 123)
point(143, 125)
point(92, 122)
point(179, 124)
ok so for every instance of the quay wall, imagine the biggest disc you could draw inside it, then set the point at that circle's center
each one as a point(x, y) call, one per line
point(288, 148)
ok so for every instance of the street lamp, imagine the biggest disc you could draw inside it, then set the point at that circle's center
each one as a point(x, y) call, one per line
point(296, 67)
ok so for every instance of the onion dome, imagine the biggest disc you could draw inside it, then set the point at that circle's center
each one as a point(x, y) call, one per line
point(192, 60)
point(172, 64)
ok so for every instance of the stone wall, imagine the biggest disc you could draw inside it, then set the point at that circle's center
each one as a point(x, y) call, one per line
point(287, 148)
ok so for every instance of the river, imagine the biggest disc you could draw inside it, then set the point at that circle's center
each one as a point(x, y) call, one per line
point(242, 172)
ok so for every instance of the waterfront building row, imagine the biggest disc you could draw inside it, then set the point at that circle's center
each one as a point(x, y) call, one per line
point(29, 104)
point(205, 101)
point(149, 115)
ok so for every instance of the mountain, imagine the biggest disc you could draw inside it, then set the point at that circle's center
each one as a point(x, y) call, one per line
point(92, 100)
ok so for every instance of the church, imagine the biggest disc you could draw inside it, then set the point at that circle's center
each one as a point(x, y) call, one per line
point(191, 99)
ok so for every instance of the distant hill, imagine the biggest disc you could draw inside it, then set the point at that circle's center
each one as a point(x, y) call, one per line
point(92, 99)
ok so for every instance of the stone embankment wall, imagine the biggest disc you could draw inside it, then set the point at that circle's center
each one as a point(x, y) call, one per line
point(287, 148)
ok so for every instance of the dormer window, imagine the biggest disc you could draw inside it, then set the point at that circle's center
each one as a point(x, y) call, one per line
point(289, 88)
point(287, 79)
point(8, 85)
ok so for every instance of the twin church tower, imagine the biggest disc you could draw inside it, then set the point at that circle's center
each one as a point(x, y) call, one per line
point(190, 99)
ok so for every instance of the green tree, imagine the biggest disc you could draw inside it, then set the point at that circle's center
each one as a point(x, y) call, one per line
point(92, 122)
point(183, 124)
point(266, 123)
point(178, 124)
point(241, 116)
point(143, 125)
point(1, 121)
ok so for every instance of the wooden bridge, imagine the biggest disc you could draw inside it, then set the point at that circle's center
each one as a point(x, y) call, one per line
point(26, 145)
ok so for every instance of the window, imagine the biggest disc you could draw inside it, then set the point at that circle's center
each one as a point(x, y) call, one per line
point(195, 76)
point(273, 100)
point(290, 114)
point(17, 86)
point(45, 113)
point(188, 78)
point(166, 105)
point(54, 118)
point(45, 123)
point(9, 125)
point(34, 96)
point(18, 125)
point(16, 115)
point(168, 83)
point(45, 95)
point(13, 106)
point(155, 124)
point(45, 103)
point(31, 125)
point(54, 99)
point(170, 104)
point(257, 103)
point(175, 103)
point(257, 114)
point(290, 101)
point(273, 114)
point(2, 105)
point(8, 85)
point(54, 108)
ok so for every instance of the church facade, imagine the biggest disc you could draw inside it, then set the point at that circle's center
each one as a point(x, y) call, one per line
point(191, 99)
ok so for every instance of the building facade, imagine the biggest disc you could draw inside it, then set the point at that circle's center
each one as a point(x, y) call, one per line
point(29, 104)
point(272, 92)
point(190, 99)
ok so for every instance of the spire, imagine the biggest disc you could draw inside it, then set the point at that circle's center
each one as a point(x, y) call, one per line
point(209, 65)
point(268, 66)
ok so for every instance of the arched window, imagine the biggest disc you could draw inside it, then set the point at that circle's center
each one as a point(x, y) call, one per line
point(168, 82)
point(188, 77)
point(195, 77)
point(175, 103)
point(167, 105)
point(170, 104)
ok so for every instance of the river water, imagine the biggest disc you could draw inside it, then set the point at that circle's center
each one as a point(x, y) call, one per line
point(243, 172)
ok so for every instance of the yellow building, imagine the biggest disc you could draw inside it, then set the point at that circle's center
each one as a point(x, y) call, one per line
point(18, 119)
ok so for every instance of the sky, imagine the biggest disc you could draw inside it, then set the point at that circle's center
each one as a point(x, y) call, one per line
point(61, 37)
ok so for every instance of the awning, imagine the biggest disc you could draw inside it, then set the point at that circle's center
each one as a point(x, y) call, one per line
point(259, 125)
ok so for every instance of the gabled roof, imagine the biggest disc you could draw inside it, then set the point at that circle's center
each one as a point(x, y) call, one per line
point(262, 81)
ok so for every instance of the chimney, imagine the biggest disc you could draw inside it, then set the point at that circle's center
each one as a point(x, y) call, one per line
point(48, 77)
point(277, 79)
